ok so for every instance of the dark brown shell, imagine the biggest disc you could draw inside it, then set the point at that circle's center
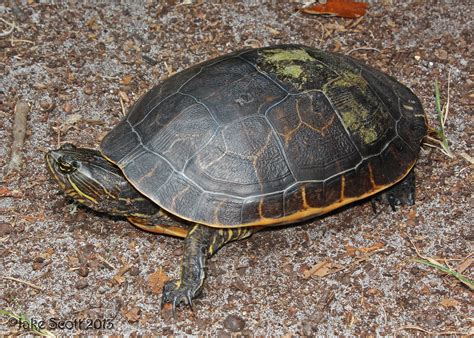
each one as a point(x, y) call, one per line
point(268, 136)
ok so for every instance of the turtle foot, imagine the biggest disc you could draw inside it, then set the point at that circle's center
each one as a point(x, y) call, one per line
point(177, 293)
point(402, 193)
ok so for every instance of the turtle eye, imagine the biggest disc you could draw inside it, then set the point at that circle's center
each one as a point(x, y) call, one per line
point(67, 167)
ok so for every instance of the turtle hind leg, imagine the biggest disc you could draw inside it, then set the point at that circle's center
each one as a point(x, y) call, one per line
point(402, 193)
point(201, 243)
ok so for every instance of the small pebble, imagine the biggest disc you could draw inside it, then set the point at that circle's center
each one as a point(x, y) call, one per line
point(88, 90)
point(81, 284)
point(234, 323)
point(38, 265)
point(5, 229)
point(83, 271)
point(82, 259)
point(46, 105)
point(67, 107)
point(134, 271)
point(441, 54)
point(103, 289)
point(38, 259)
point(178, 252)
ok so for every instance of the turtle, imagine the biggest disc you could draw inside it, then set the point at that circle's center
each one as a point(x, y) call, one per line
point(249, 140)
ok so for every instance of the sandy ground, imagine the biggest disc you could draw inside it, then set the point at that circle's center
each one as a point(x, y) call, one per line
point(74, 64)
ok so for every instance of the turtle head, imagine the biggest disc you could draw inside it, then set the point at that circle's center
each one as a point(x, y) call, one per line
point(89, 178)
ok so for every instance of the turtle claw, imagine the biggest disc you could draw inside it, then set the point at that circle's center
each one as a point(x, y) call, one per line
point(177, 293)
point(392, 201)
point(374, 205)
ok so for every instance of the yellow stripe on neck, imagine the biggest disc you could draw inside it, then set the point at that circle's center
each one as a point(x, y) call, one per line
point(80, 192)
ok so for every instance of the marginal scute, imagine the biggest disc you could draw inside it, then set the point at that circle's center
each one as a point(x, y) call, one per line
point(217, 209)
point(268, 136)
point(315, 194)
point(293, 200)
point(332, 190)
point(357, 182)
point(271, 206)
point(181, 193)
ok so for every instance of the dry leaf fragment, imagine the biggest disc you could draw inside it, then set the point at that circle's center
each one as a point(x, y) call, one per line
point(342, 8)
point(34, 218)
point(126, 80)
point(132, 315)
point(308, 273)
point(6, 192)
point(353, 251)
point(372, 248)
point(157, 280)
point(449, 302)
point(124, 96)
point(119, 278)
point(48, 253)
point(321, 269)
point(464, 265)
point(72, 119)
point(73, 261)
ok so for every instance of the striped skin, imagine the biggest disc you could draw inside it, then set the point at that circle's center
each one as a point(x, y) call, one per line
point(88, 178)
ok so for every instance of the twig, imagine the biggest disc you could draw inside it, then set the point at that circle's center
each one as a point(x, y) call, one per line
point(122, 105)
point(434, 333)
point(340, 268)
point(19, 132)
point(149, 60)
point(169, 69)
point(12, 41)
point(416, 249)
point(440, 147)
point(302, 8)
point(310, 18)
point(357, 261)
point(24, 282)
point(254, 43)
point(106, 262)
point(12, 28)
point(467, 157)
point(364, 48)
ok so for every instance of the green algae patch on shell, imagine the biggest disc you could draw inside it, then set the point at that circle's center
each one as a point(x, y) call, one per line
point(349, 79)
point(358, 106)
point(288, 64)
point(292, 71)
point(285, 55)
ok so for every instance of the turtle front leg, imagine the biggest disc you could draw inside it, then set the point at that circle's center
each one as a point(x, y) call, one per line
point(201, 243)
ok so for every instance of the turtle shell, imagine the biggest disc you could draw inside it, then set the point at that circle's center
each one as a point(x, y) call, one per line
point(268, 136)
